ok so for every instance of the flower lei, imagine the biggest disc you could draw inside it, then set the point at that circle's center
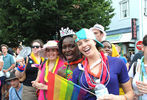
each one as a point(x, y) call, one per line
point(34, 58)
point(47, 68)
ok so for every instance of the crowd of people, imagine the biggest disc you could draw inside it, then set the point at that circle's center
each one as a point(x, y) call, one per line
point(83, 57)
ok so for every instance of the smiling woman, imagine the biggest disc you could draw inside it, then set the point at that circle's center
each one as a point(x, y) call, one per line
point(69, 50)
point(98, 73)
point(25, 69)
point(52, 64)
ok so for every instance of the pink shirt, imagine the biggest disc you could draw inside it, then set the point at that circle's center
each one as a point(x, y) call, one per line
point(41, 78)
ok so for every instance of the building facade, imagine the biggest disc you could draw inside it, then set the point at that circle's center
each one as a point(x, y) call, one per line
point(129, 24)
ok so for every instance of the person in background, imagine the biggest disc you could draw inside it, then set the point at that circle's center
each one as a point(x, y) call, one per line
point(8, 59)
point(99, 32)
point(138, 74)
point(128, 60)
point(69, 51)
point(8, 65)
point(26, 68)
point(110, 50)
point(136, 56)
point(119, 50)
point(107, 48)
point(17, 52)
point(15, 92)
point(132, 55)
point(19, 48)
point(98, 70)
point(52, 64)
point(11, 52)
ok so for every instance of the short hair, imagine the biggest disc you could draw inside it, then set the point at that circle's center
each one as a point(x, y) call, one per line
point(4, 45)
point(60, 44)
point(38, 41)
point(145, 40)
point(107, 42)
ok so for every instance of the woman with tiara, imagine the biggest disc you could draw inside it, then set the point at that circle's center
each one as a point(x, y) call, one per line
point(69, 51)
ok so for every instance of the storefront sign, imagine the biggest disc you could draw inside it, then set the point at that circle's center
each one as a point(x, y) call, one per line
point(134, 28)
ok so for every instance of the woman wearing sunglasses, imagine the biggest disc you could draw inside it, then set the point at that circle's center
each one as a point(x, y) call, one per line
point(53, 63)
point(98, 73)
point(25, 69)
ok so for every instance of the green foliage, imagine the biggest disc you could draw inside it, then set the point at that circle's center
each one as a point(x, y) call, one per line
point(25, 20)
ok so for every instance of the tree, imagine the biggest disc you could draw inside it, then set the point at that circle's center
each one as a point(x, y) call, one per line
point(25, 20)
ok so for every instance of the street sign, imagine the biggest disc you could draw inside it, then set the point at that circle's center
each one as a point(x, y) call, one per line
point(138, 45)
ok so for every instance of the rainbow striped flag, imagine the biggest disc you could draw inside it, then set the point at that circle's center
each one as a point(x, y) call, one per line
point(60, 88)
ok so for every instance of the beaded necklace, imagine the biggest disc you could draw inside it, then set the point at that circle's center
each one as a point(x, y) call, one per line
point(104, 76)
point(69, 71)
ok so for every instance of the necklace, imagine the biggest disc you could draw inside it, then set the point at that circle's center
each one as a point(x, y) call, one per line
point(104, 76)
point(47, 68)
point(69, 70)
point(96, 63)
point(99, 71)
point(74, 62)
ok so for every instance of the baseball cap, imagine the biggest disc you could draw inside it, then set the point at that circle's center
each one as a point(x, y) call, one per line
point(87, 34)
point(99, 27)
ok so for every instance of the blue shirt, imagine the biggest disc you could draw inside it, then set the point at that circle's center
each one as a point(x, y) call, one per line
point(118, 74)
point(123, 59)
point(8, 61)
point(13, 95)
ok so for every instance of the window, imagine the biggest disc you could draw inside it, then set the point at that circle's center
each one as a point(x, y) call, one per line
point(124, 9)
point(145, 7)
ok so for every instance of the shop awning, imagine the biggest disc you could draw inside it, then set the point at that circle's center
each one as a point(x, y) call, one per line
point(117, 38)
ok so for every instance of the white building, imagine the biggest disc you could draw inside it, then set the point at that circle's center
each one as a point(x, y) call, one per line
point(120, 29)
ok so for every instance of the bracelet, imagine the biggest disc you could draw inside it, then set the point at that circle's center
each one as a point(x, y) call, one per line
point(21, 68)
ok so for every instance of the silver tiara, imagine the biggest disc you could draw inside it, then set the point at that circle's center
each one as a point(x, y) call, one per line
point(66, 31)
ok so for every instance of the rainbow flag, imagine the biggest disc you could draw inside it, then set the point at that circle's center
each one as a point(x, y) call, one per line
point(60, 88)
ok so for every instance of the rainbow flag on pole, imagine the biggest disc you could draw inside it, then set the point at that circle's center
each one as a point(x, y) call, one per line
point(61, 89)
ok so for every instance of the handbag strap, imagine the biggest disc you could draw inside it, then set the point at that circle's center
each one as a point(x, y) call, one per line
point(17, 94)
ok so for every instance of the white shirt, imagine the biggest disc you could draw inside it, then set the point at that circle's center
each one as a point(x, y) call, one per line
point(136, 77)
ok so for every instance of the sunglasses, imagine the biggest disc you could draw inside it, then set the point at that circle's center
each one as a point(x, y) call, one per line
point(35, 46)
